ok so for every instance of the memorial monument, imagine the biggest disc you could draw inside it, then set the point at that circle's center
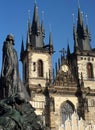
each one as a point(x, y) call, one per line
point(16, 112)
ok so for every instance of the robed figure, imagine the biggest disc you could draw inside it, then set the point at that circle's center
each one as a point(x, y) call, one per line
point(10, 81)
point(16, 112)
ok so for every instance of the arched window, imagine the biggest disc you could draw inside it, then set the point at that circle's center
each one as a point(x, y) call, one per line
point(40, 68)
point(67, 109)
point(89, 70)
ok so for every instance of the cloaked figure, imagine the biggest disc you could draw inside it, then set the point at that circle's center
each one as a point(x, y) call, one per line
point(10, 80)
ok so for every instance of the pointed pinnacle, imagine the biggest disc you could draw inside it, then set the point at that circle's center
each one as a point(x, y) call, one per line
point(78, 3)
point(35, 2)
point(73, 16)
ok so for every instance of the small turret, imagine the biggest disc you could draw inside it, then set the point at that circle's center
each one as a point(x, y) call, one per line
point(42, 25)
point(42, 28)
point(22, 50)
point(50, 43)
point(35, 23)
point(81, 34)
point(75, 38)
point(68, 51)
point(28, 43)
point(28, 31)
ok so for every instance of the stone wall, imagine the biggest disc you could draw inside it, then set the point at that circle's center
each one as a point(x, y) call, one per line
point(82, 67)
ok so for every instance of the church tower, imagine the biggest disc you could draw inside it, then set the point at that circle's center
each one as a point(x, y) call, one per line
point(72, 88)
point(37, 61)
point(82, 61)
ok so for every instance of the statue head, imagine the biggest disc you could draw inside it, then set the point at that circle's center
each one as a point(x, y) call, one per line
point(10, 38)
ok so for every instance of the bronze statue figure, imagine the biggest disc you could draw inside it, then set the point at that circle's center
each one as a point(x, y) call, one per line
point(10, 74)
point(10, 79)
point(16, 112)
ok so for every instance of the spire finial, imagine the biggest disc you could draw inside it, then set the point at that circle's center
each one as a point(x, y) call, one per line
point(73, 16)
point(29, 14)
point(42, 24)
point(68, 48)
point(35, 2)
point(42, 15)
point(86, 19)
point(82, 13)
point(50, 27)
point(28, 23)
point(78, 3)
point(22, 48)
point(68, 41)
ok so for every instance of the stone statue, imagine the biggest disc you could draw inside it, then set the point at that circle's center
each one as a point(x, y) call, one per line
point(16, 112)
point(10, 79)
point(10, 74)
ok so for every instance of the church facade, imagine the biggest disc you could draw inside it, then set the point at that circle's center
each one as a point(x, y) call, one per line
point(57, 94)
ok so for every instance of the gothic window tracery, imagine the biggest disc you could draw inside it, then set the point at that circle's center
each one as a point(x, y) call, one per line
point(89, 70)
point(40, 68)
point(67, 110)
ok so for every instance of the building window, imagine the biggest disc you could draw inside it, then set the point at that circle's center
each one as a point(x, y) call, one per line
point(84, 58)
point(40, 68)
point(92, 59)
point(34, 66)
point(89, 70)
point(67, 109)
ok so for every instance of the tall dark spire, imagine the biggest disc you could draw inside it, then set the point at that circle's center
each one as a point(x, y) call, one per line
point(75, 36)
point(36, 23)
point(50, 39)
point(28, 33)
point(81, 33)
point(68, 50)
point(42, 25)
point(80, 19)
point(22, 46)
point(29, 24)
point(36, 34)
point(22, 49)
point(50, 43)
point(28, 40)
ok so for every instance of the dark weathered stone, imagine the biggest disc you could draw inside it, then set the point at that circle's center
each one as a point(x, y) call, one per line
point(10, 79)
point(16, 113)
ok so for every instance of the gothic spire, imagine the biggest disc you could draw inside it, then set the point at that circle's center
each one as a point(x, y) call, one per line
point(87, 30)
point(75, 36)
point(50, 43)
point(68, 50)
point(42, 25)
point(28, 34)
point(29, 24)
point(50, 39)
point(35, 22)
point(36, 34)
point(22, 49)
point(80, 19)
point(81, 36)
point(28, 40)
point(22, 46)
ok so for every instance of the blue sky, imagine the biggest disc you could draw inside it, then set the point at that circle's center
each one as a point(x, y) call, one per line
point(57, 13)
